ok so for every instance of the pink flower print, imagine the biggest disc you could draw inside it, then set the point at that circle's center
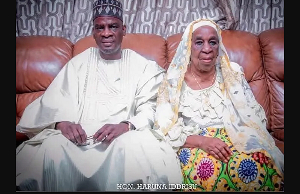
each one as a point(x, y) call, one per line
point(205, 169)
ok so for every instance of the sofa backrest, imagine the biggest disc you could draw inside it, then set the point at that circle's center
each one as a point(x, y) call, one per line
point(39, 59)
point(151, 46)
point(272, 48)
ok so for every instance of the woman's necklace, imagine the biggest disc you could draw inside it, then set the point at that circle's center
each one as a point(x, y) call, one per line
point(199, 83)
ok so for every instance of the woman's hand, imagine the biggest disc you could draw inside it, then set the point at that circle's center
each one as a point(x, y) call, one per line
point(215, 147)
point(211, 145)
point(72, 132)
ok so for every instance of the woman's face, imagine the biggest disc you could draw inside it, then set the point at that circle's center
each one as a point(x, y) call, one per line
point(205, 48)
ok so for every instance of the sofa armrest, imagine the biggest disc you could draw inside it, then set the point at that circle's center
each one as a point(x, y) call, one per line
point(20, 137)
point(280, 145)
point(278, 136)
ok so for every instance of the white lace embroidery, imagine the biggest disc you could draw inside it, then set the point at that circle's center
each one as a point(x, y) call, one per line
point(203, 107)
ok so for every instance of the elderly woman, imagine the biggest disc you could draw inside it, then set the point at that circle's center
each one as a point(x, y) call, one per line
point(209, 115)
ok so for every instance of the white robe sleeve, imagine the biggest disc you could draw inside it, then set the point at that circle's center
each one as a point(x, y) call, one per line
point(176, 137)
point(58, 103)
point(145, 100)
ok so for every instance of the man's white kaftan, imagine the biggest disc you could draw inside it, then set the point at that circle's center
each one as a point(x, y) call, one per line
point(92, 91)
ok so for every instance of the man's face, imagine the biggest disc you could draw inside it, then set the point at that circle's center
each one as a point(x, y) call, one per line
point(108, 33)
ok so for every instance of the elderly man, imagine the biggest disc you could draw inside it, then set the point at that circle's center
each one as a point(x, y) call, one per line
point(78, 128)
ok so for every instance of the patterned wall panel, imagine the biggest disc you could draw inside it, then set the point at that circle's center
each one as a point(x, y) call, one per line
point(72, 19)
point(168, 17)
point(67, 18)
point(258, 15)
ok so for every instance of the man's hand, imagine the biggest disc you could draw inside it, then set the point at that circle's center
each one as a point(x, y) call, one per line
point(109, 132)
point(216, 148)
point(73, 132)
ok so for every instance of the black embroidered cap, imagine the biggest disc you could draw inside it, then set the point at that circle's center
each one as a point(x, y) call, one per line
point(107, 8)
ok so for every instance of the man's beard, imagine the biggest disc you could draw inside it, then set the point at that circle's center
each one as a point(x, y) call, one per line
point(108, 51)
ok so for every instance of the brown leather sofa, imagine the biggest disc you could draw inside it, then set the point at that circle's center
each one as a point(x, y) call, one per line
point(40, 58)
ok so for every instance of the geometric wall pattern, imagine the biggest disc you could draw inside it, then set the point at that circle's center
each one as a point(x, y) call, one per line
point(72, 19)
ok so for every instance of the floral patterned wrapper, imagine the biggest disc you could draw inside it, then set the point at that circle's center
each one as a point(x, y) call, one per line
point(241, 173)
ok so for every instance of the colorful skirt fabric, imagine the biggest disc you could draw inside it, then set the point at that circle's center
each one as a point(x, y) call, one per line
point(241, 173)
